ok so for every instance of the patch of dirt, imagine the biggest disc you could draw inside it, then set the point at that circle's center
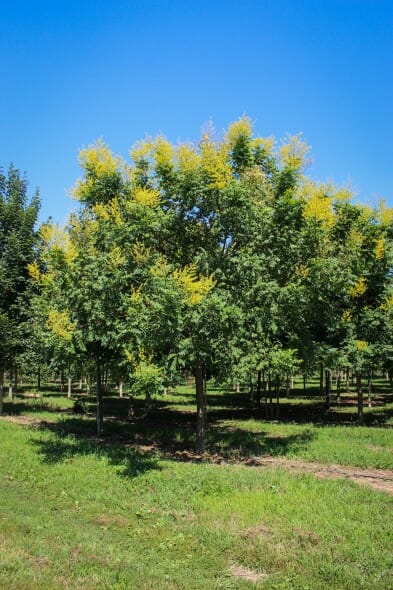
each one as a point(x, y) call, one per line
point(307, 537)
point(108, 521)
point(24, 420)
point(378, 479)
point(258, 531)
point(238, 571)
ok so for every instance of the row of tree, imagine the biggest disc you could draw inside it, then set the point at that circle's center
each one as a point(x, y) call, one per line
point(220, 257)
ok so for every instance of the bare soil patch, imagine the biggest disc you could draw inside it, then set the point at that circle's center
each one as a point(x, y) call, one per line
point(24, 420)
point(238, 571)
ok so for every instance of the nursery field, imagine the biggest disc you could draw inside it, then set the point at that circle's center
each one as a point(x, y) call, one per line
point(300, 503)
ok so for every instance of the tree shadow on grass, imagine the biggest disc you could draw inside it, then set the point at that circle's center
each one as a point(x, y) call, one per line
point(61, 448)
point(137, 447)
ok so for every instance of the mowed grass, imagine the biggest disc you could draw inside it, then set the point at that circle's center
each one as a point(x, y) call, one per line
point(124, 512)
point(77, 513)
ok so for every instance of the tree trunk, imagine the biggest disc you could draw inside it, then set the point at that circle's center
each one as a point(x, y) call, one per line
point(39, 379)
point(99, 408)
point(321, 379)
point(15, 379)
point(251, 390)
point(201, 407)
point(278, 384)
point(360, 398)
point(121, 389)
point(10, 394)
point(69, 386)
point(238, 387)
point(288, 382)
point(347, 379)
point(338, 387)
point(259, 388)
point(369, 388)
point(328, 387)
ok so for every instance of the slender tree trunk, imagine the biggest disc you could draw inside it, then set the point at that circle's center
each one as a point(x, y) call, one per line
point(278, 384)
point(270, 392)
point(369, 388)
point(251, 389)
point(347, 380)
point(238, 387)
point(121, 389)
point(360, 397)
point(39, 379)
point(80, 384)
point(288, 382)
point(99, 408)
point(69, 386)
point(259, 388)
point(15, 379)
point(338, 387)
point(321, 379)
point(10, 393)
point(201, 407)
point(328, 387)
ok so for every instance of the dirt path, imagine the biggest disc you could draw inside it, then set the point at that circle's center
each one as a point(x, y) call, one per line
point(378, 479)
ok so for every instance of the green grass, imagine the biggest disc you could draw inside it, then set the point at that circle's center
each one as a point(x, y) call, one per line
point(122, 512)
point(77, 514)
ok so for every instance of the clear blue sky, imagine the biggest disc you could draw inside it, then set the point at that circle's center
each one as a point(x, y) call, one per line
point(72, 71)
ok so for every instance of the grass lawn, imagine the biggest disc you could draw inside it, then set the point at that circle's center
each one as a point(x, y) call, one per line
point(123, 513)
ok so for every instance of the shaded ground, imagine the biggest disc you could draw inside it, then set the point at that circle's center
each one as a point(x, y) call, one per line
point(141, 449)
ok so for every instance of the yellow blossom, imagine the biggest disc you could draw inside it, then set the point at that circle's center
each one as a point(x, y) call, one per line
point(163, 153)
point(361, 345)
point(34, 271)
point(359, 288)
point(147, 197)
point(293, 153)
point(241, 127)
point(194, 288)
point(346, 316)
point(380, 249)
point(60, 324)
point(188, 159)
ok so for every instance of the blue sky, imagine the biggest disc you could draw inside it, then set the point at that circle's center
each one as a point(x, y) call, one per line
point(74, 71)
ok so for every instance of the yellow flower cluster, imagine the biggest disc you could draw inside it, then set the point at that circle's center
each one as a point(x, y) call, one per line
point(60, 324)
point(319, 207)
point(98, 160)
point(385, 213)
point(188, 159)
point(34, 271)
point(359, 288)
point(346, 316)
point(380, 249)
point(142, 150)
point(194, 288)
point(147, 197)
point(116, 257)
point(293, 153)
point(361, 345)
point(215, 164)
point(163, 153)
point(241, 127)
point(140, 253)
point(108, 211)
point(56, 238)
